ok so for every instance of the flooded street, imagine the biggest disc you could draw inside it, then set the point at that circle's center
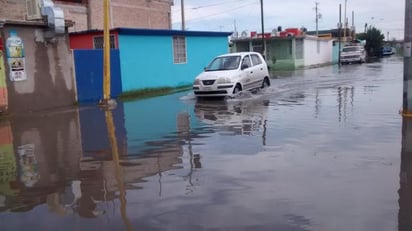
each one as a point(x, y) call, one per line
point(319, 150)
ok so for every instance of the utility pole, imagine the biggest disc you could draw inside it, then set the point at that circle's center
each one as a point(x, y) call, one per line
point(407, 62)
point(106, 101)
point(339, 32)
point(263, 30)
point(182, 6)
point(353, 26)
point(345, 23)
point(317, 18)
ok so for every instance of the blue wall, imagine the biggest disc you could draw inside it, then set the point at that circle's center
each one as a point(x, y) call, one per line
point(147, 60)
point(335, 54)
point(89, 74)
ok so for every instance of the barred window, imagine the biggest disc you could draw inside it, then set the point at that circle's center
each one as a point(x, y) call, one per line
point(179, 49)
point(98, 42)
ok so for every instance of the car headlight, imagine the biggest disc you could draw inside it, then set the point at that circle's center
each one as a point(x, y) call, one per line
point(196, 82)
point(224, 80)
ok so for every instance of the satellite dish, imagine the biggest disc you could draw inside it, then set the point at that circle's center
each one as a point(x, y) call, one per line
point(243, 34)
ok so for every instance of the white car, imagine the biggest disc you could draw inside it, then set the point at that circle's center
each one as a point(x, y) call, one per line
point(352, 54)
point(229, 74)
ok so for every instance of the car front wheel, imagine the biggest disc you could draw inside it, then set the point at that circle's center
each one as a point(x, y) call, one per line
point(237, 89)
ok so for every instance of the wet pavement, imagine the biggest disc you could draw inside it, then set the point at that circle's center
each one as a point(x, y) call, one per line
point(321, 149)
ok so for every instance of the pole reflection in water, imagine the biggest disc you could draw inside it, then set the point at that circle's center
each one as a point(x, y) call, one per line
point(405, 190)
point(118, 173)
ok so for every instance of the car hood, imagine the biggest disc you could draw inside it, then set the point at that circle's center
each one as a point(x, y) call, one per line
point(210, 75)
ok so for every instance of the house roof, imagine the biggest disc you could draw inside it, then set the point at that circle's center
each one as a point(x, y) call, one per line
point(158, 32)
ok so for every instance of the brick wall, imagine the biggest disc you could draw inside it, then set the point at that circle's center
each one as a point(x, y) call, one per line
point(153, 14)
point(75, 12)
point(13, 9)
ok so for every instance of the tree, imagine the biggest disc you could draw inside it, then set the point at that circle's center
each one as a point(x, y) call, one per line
point(374, 40)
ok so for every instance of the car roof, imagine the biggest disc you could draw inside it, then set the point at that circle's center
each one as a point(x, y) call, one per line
point(239, 53)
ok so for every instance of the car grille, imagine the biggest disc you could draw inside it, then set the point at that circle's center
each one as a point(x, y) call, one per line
point(210, 92)
point(208, 82)
point(351, 57)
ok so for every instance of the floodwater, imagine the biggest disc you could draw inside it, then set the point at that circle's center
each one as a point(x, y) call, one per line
point(321, 149)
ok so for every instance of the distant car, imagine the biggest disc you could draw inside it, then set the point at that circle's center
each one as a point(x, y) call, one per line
point(352, 54)
point(386, 51)
point(229, 74)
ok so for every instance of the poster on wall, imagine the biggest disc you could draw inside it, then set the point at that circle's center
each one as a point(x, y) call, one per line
point(15, 57)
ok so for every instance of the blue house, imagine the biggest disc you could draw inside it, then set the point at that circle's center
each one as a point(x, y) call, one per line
point(142, 59)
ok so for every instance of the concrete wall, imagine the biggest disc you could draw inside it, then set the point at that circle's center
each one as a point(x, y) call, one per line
point(147, 61)
point(314, 55)
point(49, 69)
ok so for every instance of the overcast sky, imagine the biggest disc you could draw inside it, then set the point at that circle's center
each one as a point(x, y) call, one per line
point(222, 15)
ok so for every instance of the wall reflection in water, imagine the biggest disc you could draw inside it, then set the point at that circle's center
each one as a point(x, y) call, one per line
point(72, 161)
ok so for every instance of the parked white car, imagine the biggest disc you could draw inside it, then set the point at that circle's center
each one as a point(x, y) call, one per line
point(229, 74)
point(352, 54)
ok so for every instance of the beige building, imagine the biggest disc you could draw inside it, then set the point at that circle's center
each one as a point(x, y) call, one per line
point(88, 14)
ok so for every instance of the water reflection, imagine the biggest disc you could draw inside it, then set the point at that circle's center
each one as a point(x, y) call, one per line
point(233, 118)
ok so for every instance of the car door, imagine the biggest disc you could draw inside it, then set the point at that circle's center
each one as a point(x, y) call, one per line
point(247, 73)
point(258, 70)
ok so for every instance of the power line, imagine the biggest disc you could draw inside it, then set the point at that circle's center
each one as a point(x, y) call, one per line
point(177, 10)
point(216, 4)
point(223, 12)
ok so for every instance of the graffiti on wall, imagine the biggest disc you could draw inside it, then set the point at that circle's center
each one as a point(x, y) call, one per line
point(15, 57)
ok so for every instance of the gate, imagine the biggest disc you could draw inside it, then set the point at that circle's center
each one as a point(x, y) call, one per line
point(89, 74)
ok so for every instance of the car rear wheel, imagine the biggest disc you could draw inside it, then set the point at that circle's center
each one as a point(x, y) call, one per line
point(266, 83)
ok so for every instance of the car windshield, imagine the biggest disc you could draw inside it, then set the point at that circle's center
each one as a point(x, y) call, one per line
point(350, 49)
point(224, 63)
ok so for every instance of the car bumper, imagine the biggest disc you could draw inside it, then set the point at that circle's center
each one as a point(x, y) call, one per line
point(350, 60)
point(213, 91)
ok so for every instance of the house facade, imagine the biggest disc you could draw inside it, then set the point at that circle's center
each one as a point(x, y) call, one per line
point(88, 14)
point(143, 59)
point(291, 52)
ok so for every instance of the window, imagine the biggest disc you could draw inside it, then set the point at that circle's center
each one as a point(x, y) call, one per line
point(98, 42)
point(179, 49)
point(256, 60)
point(246, 62)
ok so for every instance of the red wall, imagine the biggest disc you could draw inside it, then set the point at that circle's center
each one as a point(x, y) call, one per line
point(85, 40)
